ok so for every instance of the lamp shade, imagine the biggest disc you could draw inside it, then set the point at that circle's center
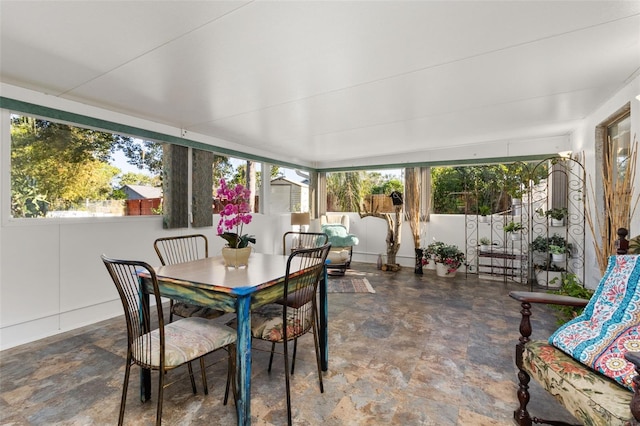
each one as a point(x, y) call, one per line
point(300, 219)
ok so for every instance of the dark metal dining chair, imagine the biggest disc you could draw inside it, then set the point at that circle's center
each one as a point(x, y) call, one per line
point(168, 346)
point(281, 323)
point(180, 249)
point(294, 240)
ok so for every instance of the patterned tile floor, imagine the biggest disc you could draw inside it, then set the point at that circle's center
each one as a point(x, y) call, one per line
point(422, 350)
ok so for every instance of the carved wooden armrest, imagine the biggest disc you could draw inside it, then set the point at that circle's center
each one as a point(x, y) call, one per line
point(634, 358)
point(526, 298)
point(550, 299)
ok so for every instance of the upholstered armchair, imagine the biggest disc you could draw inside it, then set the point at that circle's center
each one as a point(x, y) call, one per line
point(333, 219)
point(342, 242)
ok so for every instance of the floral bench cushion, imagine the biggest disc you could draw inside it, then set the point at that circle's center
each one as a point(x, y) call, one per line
point(609, 325)
point(591, 397)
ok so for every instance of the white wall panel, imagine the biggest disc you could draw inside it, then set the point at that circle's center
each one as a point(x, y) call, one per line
point(83, 278)
point(30, 273)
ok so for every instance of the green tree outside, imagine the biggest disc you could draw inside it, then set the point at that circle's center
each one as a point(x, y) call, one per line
point(56, 166)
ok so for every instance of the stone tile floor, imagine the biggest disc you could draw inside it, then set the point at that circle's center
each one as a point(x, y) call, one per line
point(422, 350)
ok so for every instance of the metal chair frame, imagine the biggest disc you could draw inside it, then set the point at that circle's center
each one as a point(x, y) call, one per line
point(305, 240)
point(300, 291)
point(124, 274)
point(180, 249)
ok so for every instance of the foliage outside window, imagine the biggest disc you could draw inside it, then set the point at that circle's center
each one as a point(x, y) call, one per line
point(244, 172)
point(482, 189)
point(346, 191)
point(63, 170)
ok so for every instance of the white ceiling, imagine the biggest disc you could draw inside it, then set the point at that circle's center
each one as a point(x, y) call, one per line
point(312, 82)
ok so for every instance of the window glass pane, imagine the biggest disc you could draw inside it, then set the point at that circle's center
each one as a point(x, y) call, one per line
point(289, 190)
point(619, 135)
point(368, 189)
point(485, 189)
point(61, 170)
point(237, 171)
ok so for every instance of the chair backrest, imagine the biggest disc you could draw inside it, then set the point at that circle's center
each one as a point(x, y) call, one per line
point(182, 248)
point(335, 219)
point(124, 274)
point(304, 269)
point(295, 240)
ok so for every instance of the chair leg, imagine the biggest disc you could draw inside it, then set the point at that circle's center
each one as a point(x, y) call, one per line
point(273, 348)
point(316, 342)
point(231, 375)
point(286, 375)
point(171, 310)
point(125, 386)
point(161, 374)
point(293, 358)
point(193, 381)
point(204, 376)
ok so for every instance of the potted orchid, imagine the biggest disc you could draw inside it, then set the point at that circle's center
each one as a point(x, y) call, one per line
point(235, 214)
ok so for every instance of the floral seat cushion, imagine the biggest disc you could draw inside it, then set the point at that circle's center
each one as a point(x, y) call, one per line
point(589, 396)
point(609, 325)
point(187, 310)
point(266, 322)
point(185, 339)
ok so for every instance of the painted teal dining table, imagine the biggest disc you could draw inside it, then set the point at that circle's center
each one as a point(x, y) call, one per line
point(208, 282)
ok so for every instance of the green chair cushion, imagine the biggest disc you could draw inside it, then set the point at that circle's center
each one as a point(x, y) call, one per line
point(338, 235)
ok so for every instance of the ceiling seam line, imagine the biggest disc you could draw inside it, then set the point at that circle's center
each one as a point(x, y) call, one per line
point(477, 55)
point(154, 49)
point(419, 117)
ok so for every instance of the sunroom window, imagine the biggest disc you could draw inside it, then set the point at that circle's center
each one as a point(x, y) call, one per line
point(62, 170)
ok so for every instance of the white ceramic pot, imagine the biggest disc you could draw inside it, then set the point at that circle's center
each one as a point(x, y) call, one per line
point(236, 257)
point(545, 278)
point(431, 265)
point(557, 222)
point(558, 258)
point(442, 270)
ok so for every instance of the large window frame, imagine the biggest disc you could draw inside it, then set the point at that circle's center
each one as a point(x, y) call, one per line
point(85, 172)
point(180, 137)
point(610, 144)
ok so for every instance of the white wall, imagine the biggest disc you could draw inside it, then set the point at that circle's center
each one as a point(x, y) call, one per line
point(52, 280)
point(372, 234)
point(583, 141)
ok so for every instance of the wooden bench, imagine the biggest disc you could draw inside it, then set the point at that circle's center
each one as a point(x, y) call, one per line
point(590, 396)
